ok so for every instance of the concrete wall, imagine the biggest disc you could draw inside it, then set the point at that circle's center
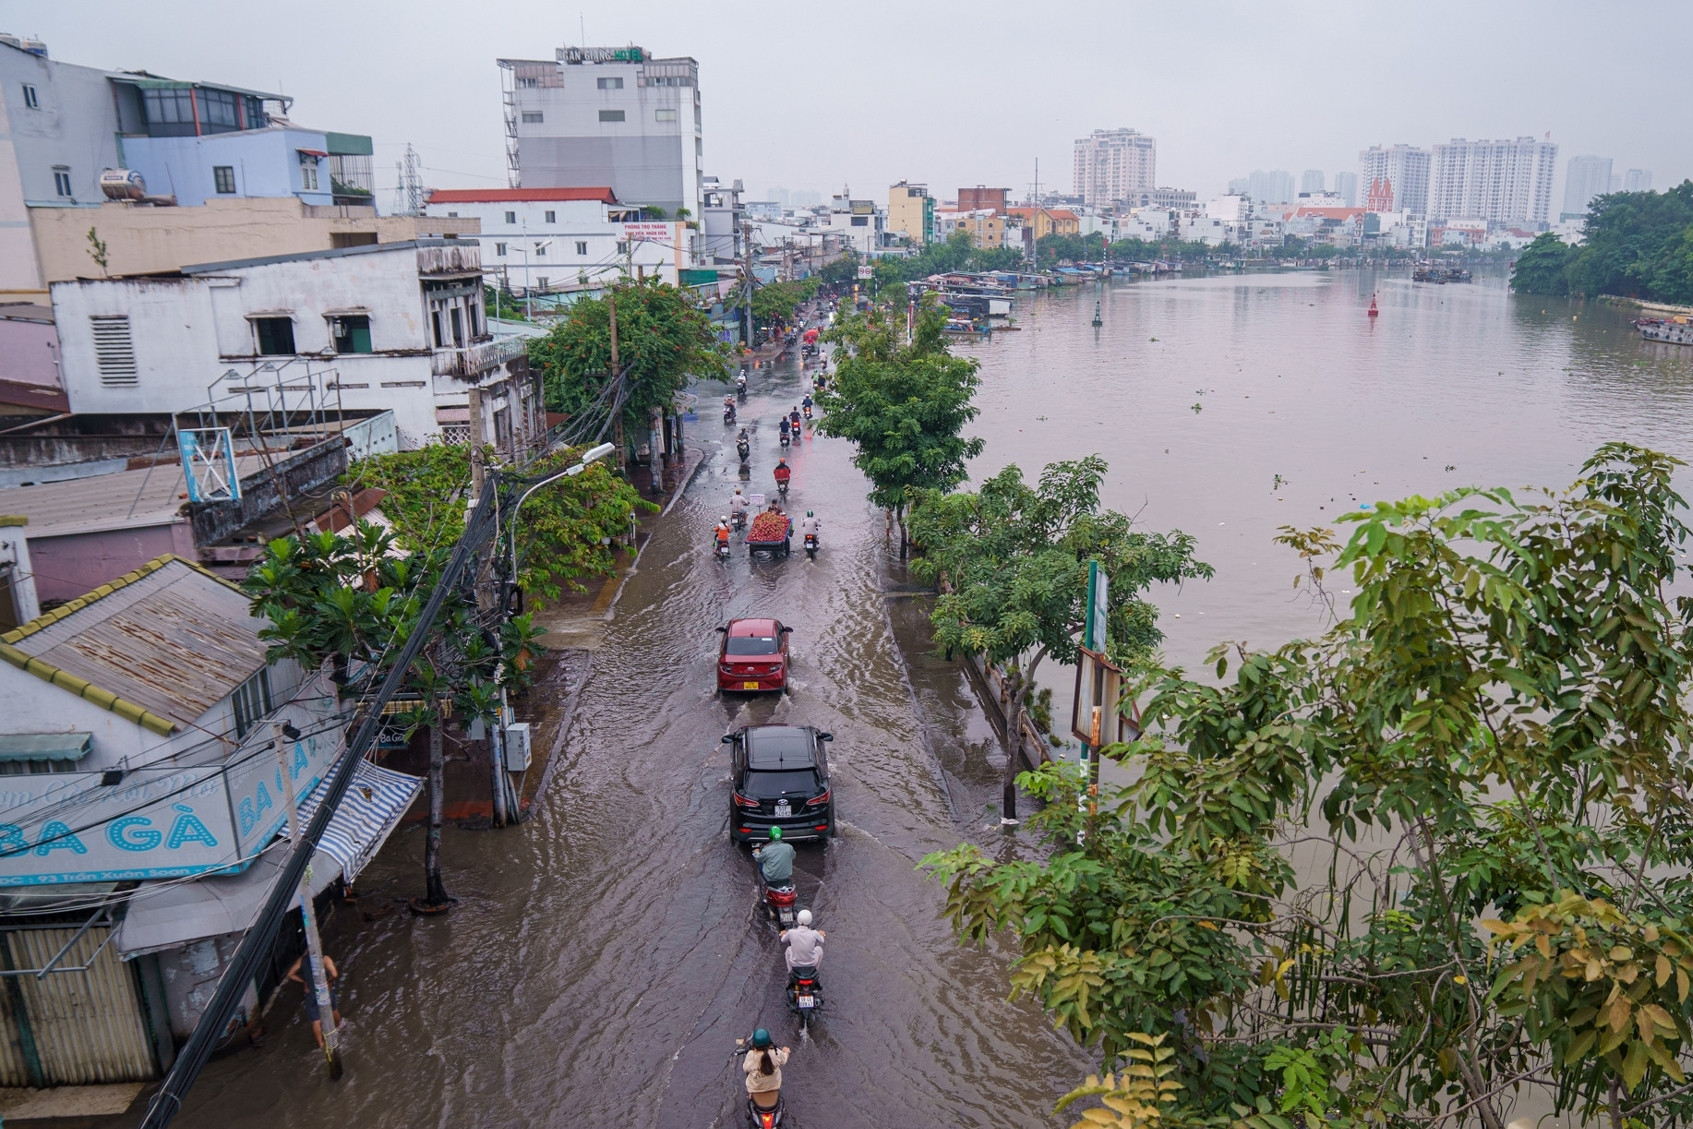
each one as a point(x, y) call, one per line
point(260, 497)
point(14, 554)
point(574, 222)
point(266, 162)
point(73, 124)
point(29, 353)
point(75, 564)
point(143, 240)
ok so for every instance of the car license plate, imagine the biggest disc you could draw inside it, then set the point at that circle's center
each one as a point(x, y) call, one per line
point(807, 1001)
point(749, 685)
point(784, 808)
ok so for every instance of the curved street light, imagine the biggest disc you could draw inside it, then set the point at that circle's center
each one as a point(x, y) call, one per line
point(592, 455)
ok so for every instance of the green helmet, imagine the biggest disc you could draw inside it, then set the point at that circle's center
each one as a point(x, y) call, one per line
point(775, 834)
point(808, 513)
point(761, 1039)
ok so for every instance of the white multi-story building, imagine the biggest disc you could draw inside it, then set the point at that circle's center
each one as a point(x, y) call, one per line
point(379, 327)
point(1274, 186)
point(858, 222)
point(612, 116)
point(1497, 181)
point(1311, 181)
point(1584, 178)
point(1113, 164)
point(1637, 180)
point(1346, 187)
point(1403, 170)
point(564, 240)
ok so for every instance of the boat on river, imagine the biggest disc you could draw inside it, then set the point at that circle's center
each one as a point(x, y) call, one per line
point(1677, 330)
point(1434, 272)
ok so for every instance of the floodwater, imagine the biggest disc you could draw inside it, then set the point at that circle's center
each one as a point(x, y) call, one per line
point(606, 954)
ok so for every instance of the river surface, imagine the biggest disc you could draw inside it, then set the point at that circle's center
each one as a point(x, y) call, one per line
point(606, 954)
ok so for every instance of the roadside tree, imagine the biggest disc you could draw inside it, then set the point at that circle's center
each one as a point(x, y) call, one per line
point(903, 406)
point(1413, 872)
point(663, 338)
point(1015, 560)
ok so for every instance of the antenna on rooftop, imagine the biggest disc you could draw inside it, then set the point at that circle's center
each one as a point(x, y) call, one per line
point(408, 189)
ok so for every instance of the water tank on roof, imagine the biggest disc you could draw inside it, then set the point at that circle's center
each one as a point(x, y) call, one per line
point(122, 184)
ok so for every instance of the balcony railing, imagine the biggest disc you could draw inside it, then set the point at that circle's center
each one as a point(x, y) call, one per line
point(472, 361)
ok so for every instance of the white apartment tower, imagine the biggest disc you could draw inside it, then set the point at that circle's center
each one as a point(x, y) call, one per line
point(1404, 169)
point(1113, 164)
point(1585, 178)
point(1497, 181)
point(607, 117)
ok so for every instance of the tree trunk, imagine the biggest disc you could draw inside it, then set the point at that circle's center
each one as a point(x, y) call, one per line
point(435, 891)
point(904, 541)
point(1014, 724)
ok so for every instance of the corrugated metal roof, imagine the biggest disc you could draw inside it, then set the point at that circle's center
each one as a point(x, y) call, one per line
point(173, 640)
point(124, 500)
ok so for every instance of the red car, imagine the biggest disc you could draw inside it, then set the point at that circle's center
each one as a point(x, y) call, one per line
point(754, 656)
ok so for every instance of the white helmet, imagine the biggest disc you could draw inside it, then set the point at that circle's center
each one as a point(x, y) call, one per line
point(724, 520)
point(804, 917)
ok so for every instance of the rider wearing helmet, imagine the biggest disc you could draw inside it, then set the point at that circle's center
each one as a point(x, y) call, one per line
point(783, 471)
point(809, 525)
point(785, 426)
point(775, 860)
point(803, 945)
point(738, 504)
point(721, 533)
point(763, 1066)
point(793, 418)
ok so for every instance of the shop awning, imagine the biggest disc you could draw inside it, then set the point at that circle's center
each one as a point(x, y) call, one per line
point(45, 746)
point(173, 912)
point(312, 152)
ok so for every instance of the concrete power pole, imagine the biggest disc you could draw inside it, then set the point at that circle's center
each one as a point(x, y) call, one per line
point(485, 595)
point(308, 915)
point(616, 375)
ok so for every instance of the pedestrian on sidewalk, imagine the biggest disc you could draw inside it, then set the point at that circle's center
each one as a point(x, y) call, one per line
point(301, 973)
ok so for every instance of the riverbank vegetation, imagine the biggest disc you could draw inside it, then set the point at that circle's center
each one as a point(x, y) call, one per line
point(1418, 870)
point(1635, 245)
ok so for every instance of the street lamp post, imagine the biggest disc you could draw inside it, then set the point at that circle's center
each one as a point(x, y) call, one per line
point(591, 456)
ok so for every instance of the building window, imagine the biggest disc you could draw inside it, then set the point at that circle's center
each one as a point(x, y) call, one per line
point(275, 336)
point(609, 84)
point(611, 115)
point(541, 283)
point(435, 323)
point(217, 111)
point(252, 704)
point(224, 177)
point(511, 217)
point(500, 250)
point(172, 110)
point(622, 246)
point(351, 334)
point(458, 327)
point(114, 351)
point(540, 250)
point(581, 246)
point(529, 83)
point(533, 117)
point(62, 180)
point(860, 221)
point(552, 217)
point(308, 172)
point(31, 102)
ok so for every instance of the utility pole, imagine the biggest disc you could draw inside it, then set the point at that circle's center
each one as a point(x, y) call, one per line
point(1034, 218)
point(746, 261)
point(484, 595)
point(617, 375)
point(308, 916)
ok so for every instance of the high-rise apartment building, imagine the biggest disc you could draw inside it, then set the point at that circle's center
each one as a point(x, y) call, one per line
point(1312, 181)
point(607, 117)
point(1497, 181)
point(1637, 180)
point(1273, 187)
point(911, 212)
point(1112, 163)
point(1585, 178)
point(1404, 169)
point(1346, 187)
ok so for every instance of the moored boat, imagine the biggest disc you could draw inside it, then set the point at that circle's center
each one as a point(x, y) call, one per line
point(1676, 330)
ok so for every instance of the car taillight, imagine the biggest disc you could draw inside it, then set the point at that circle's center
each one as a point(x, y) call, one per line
point(745, 801)
point(823, 799)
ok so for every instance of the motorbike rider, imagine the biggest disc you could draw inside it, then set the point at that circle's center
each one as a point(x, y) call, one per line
point(785, 426)
point(729, 408)
point(802, 945)
point(738, 505)
point(721, 533)
point(783, 472)
point(775, 860)
point(809, 525)
point(763, 1066)
point(793, 419)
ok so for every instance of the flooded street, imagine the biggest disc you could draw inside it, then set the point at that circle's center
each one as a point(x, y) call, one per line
point(606, 955)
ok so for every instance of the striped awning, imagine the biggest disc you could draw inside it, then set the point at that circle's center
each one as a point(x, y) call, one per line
point(373, 806)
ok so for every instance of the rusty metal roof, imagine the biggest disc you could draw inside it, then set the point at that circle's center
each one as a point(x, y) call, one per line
point(170, 638)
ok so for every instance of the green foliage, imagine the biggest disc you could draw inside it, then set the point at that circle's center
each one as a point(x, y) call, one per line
point(1089, 248)
point(774, 303)
point(663, 338)
point(1638, 244)
point(1143, 251)
point(1403, 872)
point(955, 253)
point(564, 528)
point(904, 407)
point(1544, 267)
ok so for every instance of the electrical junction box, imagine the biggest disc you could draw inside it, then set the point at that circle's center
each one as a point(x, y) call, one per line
point(517, 746)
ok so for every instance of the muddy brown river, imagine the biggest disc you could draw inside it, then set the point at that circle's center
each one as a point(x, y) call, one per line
point(606, 954)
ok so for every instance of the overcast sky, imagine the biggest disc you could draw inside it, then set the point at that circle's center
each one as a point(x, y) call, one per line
point(862, 94)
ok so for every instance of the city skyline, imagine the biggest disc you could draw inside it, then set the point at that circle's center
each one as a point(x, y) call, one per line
point(1238, 112)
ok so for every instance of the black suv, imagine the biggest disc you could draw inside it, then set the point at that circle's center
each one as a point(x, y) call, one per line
point(780, 775)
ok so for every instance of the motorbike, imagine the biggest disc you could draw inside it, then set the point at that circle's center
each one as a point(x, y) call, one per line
point(738, 520)
point(807, 411)
point(786, 439)
point(728, 413)
point(811, 546)
point(805, 994)
point(760, 1116)
point(741, 384)
point(722, 550)
point(782, 487)
point(781, 902)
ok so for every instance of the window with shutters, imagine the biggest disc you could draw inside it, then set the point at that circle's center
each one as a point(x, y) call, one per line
point(500, 250)
point(114, 352)
point(252, 702)
point(62, 180)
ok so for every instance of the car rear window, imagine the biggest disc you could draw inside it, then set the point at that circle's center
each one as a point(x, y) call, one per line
point(751, 645)
point(775, 785)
